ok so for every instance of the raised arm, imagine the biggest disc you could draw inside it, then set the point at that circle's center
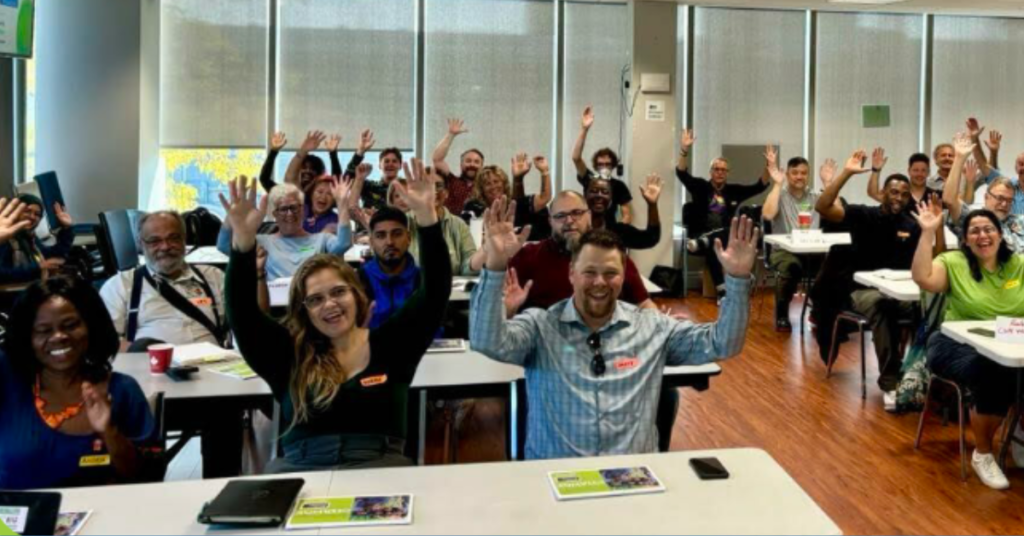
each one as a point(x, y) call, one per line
point(65, 235)
point(520, 167)
point(586, 122)
point(541, 200)
point(649, 237)
point(366, 143)
point(685, 144)
point(974, 131)
point(995, 141)
point(332, 144)
point(456, 127)
point(929, 274)
point(277, 142)
point(963, 146)
point(826, 205)
point(970, 181)
point(878, 161)
point(771, 203)
point(312, 142)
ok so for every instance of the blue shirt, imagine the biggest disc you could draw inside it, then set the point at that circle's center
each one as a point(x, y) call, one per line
point(33, 455)
point(389, 293)
point(286, 254)
point(572, 411)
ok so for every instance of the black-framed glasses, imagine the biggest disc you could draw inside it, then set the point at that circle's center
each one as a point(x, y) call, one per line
point(574, 214)
point(597, 365)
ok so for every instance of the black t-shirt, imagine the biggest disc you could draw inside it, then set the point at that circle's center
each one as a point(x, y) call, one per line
point(620, 192)
point(882, 240)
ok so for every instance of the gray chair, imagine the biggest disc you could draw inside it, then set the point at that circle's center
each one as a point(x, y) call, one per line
point(119, 250)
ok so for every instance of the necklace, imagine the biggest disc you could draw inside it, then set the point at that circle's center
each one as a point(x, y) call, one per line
point(54, 420)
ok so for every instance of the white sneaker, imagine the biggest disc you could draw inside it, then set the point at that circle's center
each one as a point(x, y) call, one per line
point(691, 246)
point(988, 471)
point(889, 399)
point(1016, 449)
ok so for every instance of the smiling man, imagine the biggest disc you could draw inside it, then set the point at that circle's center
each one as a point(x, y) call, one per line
point(594, 365)
point(392, 276)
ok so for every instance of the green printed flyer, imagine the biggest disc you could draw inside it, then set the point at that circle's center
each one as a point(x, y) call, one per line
point(351, 512)
point(604, 482)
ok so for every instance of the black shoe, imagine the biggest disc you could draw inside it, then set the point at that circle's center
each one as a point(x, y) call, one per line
point(782, 325)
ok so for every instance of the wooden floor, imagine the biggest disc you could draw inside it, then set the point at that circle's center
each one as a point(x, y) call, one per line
point(853, 458)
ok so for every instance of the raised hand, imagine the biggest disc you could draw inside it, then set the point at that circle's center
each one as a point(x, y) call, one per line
point(419, 191)
point(363, 170)
point(242, 214)
point(738, 259)
point(515, 295)
point(366, 141)
point(63, 218)
point(971, 171)
point(687, 139)
point(974, 129)
point(333, 143)
point(341, 189)
point(878, 159)
point(456, 126)
point(651, 188)
point(500, 238)
point(771, 157)
point(995, 139)
point(97, 406)
point(587, 120)
point(10, 218)
point(778, 177)
point(929, 213)
point(314, 139)
point(855, 164)
point(963, 144)
point(827, 172)
point(278, 141)
point(542, 165)
point(521, 165)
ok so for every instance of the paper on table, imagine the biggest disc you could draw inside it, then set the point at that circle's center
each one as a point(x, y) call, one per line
point(604, 482)
point(1009, 329)
point(236, 369)
point(201, 353)
point(69, 523)
point(351, 511)
point(894, 275)
point(278, 289)
point(14, 517)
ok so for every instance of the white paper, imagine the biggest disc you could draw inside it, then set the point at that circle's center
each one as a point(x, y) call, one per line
point(202, 352)
point(207, 255)
point(14, 517)
point(279, 291)
point(1009, 329)
point(656, 110)
point(807, 237)
point(894, 275)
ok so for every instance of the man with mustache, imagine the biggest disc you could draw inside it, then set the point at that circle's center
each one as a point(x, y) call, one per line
point(883, 236)
point(166, 300)
point(594, 365)
point(391, 277)
point(460, 188)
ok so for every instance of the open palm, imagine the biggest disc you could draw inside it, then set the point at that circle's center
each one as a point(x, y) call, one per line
point(738, 259)
point(10, 218)
point(419, 191)
point(502, 242)
point(929, 214)
point(242, 213)
point(651, 189)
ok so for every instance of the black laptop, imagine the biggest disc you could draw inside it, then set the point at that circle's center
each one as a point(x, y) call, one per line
point(27, 512)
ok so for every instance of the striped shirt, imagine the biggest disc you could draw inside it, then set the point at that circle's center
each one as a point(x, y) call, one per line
point(572, 411)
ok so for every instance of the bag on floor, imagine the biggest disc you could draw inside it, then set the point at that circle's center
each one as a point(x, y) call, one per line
point(913, 389)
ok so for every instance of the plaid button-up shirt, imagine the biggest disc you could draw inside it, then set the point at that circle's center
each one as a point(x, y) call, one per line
point(459, 191)
point(572, 411)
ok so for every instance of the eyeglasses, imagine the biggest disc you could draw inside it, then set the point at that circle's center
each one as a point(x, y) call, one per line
point(1003, 200)
point(288, 209)
point(336, 295)
point(597, 365)
point(978, 231)
point(574, 214)
point(173, 240)
point(720, 169)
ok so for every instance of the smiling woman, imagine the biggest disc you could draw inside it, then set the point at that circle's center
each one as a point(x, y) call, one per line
point(65, 418)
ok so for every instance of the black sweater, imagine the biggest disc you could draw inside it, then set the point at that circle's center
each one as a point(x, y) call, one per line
point(372, 402)
point(700, 190)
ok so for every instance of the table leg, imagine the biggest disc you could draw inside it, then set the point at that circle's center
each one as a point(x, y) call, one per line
point(1011, 424)
point(421, 439)
point(221, 444)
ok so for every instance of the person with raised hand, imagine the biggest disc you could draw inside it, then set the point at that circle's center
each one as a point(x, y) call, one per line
point(606, 166)
point(460, 187)
point(342, 387)
point(24, 257)
point(600, 200)
point(466, 258)
point(11, 222)
point(493, 182)
point(292, 244)
point(593, 341)
point(305, 166)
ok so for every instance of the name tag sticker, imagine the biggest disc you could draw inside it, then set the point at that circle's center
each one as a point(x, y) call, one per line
point(202, 302)
point(99, 460)
point(374, 380)
point(1013, 283)
point(627, 363)
point(903, 234)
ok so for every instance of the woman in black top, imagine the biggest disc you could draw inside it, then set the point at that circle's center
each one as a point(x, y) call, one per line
point(342, 387)
point(600, 200)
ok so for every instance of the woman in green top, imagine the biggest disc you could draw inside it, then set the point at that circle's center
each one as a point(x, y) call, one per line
point(981, 281)
point(342, 387)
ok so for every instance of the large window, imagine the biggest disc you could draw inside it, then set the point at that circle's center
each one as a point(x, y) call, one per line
point(883, 68)
point(597, 45)
point(491, 62)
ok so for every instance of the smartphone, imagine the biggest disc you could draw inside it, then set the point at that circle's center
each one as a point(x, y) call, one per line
point(708, 468)
point(180, 374)
point(983, 332)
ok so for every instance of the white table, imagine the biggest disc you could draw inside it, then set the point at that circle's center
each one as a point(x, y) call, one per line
point(211, 255)
point(896, 284)
point(785, 241)
point(165, 508)
point(460, 295)
point(759, 497)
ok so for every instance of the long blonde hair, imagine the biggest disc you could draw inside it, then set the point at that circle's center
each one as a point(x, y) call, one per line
point(481, 179)
point(317, 375)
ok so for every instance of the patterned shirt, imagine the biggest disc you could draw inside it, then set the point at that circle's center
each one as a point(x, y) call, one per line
point(459, 191)
point(572, 411)
point(1018, 193)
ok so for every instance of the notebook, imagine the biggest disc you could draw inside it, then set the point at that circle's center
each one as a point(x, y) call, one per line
point(29, 512)
point(252, 502)
point(49, 191)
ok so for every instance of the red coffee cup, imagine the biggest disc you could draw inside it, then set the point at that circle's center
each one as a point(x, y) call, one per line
point(160, 358)
point(804, 220)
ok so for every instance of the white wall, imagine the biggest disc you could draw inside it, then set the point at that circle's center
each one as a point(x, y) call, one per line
point(88, 104)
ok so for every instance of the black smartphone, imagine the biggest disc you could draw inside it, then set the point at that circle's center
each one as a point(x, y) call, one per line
point(180, 374)
point(983, 332)
point(708, 468)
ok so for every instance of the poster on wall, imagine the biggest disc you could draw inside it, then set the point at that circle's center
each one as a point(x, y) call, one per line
point(17, 18)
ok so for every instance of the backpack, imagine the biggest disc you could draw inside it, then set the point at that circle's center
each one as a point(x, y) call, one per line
point(201, 227)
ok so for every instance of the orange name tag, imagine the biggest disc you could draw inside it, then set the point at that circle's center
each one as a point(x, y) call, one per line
point(374, 380)
point(903, 234)
point(627, 363)
point(202, 302)
point(99, 460)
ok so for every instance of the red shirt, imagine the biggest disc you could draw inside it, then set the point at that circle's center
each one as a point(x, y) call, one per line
point(459, 191)
point(544, 264)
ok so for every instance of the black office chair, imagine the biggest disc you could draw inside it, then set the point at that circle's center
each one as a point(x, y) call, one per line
point(120, 252)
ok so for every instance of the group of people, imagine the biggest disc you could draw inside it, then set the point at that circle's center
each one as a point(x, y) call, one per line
point(558, 295)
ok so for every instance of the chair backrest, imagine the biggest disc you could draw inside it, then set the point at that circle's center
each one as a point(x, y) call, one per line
point(118, 229)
